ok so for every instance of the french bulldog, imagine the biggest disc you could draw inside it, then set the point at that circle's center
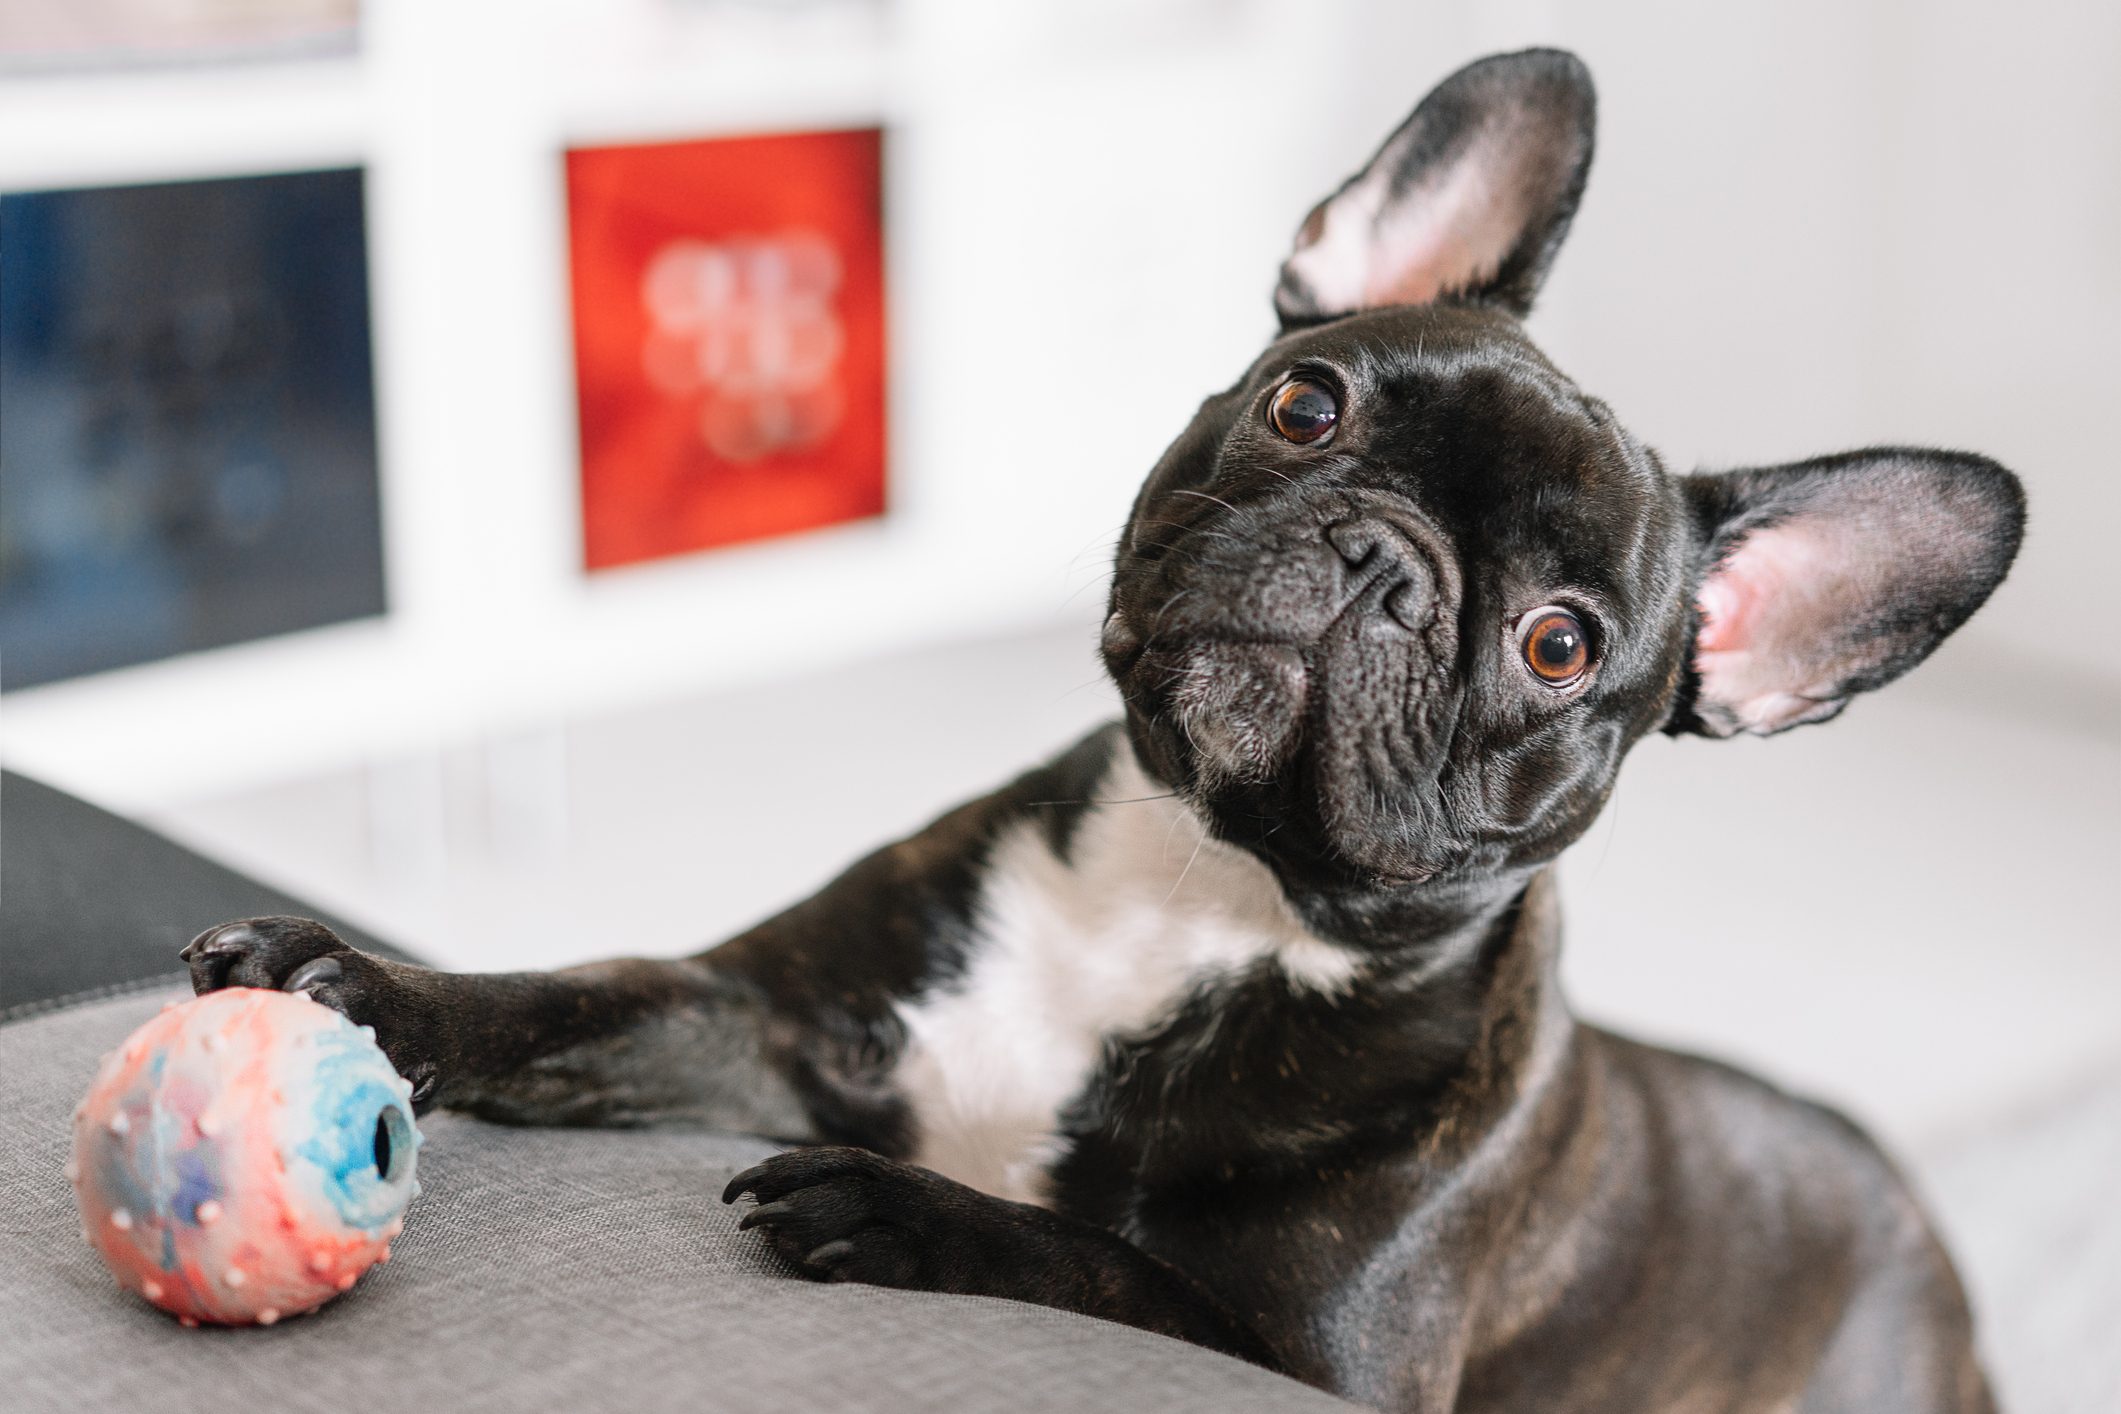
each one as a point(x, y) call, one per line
point(1237, 1021)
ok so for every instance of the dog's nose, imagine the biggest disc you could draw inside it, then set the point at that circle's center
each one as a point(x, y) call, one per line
point(1356, 540)
point(1402, 563)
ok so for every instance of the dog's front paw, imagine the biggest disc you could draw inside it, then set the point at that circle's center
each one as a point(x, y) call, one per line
point(303, 956)
point(262, 952)
point(850, 1215)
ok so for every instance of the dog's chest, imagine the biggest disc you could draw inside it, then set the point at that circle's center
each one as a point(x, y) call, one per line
point(1073, 954)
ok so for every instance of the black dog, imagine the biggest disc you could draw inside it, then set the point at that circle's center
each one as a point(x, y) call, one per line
point(1238, 1020)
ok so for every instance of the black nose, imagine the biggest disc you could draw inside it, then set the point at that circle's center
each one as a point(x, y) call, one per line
point(1403, 564)
point(1358, 541)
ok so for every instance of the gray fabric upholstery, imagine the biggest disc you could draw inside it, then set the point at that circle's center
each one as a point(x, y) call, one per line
point(543, 1269)
point(90, 902)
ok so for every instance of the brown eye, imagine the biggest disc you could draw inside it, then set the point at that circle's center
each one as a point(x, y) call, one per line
point(1303, 411)
point(1556, 647)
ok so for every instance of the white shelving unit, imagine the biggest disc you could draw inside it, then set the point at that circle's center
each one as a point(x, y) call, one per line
point(1070, 263)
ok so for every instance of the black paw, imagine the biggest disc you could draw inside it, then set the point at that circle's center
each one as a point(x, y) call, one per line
point(850, 1215)
point(303, 956)
point(259, 952)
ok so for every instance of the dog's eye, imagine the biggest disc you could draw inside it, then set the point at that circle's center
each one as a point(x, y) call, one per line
point(1303, 411)
point(1556, 646)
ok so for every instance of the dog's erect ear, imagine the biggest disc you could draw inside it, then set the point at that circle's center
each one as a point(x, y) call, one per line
point(1831, 577)
point(1471, 196)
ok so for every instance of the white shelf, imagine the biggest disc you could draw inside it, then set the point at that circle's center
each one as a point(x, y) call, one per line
point(1056, 223)
point(166, 125)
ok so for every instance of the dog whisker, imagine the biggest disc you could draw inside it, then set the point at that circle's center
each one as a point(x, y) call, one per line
point(1204, 496)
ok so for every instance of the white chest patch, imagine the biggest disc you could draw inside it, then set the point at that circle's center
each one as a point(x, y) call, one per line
point(1069, 953)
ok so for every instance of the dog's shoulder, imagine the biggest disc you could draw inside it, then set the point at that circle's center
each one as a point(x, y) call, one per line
point(1801, 1200)
point(1780, 1163)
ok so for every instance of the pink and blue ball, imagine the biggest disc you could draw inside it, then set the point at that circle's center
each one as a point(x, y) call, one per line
point(244, 1157)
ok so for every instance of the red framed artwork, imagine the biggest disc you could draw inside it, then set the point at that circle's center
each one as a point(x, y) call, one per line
point(729, 339)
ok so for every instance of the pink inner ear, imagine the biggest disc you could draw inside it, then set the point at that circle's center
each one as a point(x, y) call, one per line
point(1369, 247)
point(1722, 616)
point(1769, 615)
point(1452, 237)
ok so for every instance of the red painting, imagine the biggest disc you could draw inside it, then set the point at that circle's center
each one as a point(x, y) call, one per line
point(729, 339)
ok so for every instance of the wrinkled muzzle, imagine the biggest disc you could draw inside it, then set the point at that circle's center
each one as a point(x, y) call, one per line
point(1311, 644)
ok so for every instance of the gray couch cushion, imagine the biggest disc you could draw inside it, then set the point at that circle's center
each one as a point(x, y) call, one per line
point(543, 1269)
point(90, 902)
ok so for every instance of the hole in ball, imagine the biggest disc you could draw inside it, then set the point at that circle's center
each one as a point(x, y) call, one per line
point(392, 1143)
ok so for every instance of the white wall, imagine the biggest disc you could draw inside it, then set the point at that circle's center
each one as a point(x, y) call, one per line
point(1064, 217)
point(1816, 225)
point(1812, 225)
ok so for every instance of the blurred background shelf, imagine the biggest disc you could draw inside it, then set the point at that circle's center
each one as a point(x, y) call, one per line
point(1084, 206)
point(167, 125)
point(459, 115)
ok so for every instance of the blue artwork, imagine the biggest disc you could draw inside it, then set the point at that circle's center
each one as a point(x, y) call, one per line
point(187, 419)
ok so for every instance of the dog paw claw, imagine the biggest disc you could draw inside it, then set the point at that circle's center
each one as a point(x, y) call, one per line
point(765, 1214)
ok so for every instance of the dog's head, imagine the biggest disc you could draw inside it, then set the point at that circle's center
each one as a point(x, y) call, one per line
point(1393, 607)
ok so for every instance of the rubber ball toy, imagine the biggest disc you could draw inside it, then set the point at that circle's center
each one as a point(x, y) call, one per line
point(243, 1157)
